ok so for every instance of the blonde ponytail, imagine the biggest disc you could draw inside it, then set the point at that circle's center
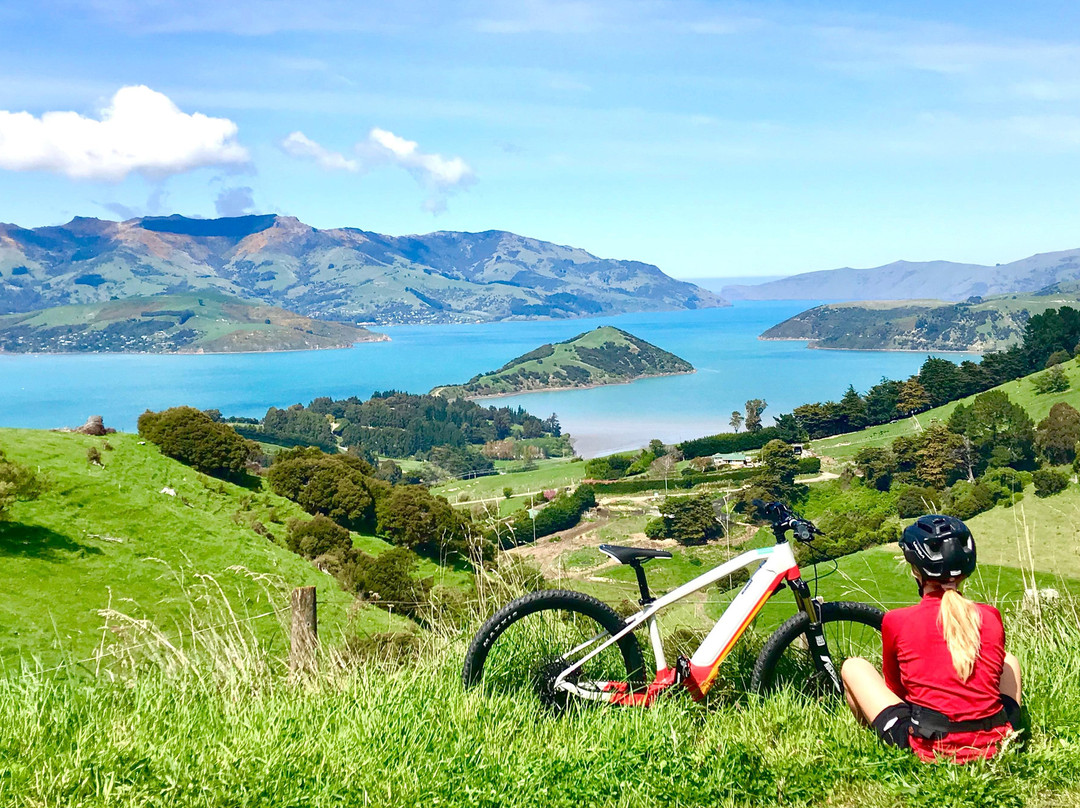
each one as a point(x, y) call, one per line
point(960, 622)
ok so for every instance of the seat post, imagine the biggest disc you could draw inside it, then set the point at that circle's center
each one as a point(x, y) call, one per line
point(643, 584)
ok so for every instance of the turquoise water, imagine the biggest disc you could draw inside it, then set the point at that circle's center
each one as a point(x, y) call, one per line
point(732, 366)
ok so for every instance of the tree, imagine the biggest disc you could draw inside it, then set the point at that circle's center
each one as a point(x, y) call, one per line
point(881, 400)
point(754, 408)
point(1053, 381)
point(1002, 431)
point(852, 410)
point(778, 469)
point(939, 458)
point(877, 465)
point(18, 483)
point(1058, 433)
point(941, 380)
point(912, 397)
point(656, 447)
point(688, 520)
point(197, 440)
point(736, 420)
point(820, 420)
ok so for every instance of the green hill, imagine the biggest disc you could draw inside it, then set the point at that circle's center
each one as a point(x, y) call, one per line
point(203, 322)
point(107, 534)
point(979, 325)
point(605, 355)
point(844, 447)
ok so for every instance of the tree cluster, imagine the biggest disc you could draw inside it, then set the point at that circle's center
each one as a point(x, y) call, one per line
point(1049, 339)
point(346, 489)
point(396, 424)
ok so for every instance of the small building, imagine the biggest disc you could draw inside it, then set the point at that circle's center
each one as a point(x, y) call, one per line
point(730, 459)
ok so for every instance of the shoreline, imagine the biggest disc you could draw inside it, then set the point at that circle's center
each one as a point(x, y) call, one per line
point(383, 338)
point(564, 389)
point(813, 346)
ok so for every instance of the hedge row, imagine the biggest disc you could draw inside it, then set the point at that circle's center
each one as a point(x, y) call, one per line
point(807, 465)
point(562, 513)
point(728, 442)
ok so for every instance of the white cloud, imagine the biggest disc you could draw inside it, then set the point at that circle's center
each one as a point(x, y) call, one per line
point(301, 146)
point(439, 175)
point(140, 131)
point(431, 169)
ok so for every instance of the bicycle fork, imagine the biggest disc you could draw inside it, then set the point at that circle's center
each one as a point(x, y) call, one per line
point(815, 635)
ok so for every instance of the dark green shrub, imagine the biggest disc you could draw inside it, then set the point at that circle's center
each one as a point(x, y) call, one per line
point(916, 500)
point(809, 465)
point(688, 520)
point(318, 536)
point(411, 516)
point(197, 440)
point(964, 500)
point(18, 483)
point(1049, 482)
point(389, 579)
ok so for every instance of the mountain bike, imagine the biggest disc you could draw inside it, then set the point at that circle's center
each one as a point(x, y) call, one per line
point(569, 646)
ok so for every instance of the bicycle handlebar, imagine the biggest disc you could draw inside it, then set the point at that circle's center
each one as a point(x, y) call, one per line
point(784, 519)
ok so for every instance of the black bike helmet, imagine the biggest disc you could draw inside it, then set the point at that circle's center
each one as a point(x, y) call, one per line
point(940, 547)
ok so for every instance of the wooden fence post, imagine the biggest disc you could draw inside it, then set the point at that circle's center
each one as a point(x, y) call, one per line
point(304, 636)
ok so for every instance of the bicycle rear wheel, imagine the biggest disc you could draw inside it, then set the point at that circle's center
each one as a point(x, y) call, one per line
point(851, 629)
point(531, 640)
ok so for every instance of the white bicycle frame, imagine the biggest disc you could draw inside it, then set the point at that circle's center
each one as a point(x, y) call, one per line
point(776, 564)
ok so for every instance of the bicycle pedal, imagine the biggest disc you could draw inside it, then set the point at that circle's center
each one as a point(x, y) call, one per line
point(682, 669)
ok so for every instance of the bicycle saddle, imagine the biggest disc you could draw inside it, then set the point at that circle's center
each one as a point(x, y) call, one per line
point(631, 555)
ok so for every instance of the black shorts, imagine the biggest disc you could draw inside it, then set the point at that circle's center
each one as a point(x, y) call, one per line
point(893, 724)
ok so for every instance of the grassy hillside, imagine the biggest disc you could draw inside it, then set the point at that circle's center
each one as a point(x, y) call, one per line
point(919, 325)
point(405, 734)
point(104, 535)
point(844, 447)
point(605, 355)
point(206, 321)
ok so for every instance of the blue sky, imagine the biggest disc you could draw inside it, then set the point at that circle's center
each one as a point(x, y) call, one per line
point(709, 138)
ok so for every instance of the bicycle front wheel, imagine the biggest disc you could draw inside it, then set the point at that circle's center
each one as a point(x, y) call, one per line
point(851, 629)
point(531, 640)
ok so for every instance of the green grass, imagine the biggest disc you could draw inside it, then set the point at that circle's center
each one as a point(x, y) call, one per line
point(107, 535)
point(1041, 532)
point(208, 734)
point(844, 447)
point(552, 473)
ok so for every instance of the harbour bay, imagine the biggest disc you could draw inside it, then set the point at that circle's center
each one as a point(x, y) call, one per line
point(49, 391)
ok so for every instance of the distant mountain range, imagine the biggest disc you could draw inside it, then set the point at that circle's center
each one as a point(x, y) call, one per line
point(341, 274)
point(605, 355)
point(910, 280)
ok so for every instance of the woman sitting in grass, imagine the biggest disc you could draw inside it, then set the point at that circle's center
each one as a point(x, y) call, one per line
point(949, 688)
